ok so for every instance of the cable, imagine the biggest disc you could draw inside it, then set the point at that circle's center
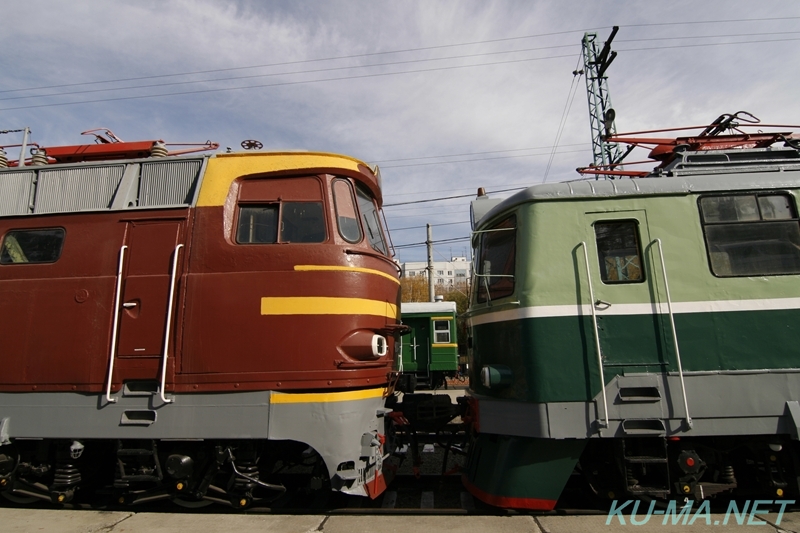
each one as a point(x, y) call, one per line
point(329, 69)
point(478, 159)
point(576, 74)
point(370, 54)
point(281, 84)
point(448, 197)
point(432, 225)
point(261, 86)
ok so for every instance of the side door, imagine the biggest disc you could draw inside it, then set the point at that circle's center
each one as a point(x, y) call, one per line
point(622, 261)
point(148, 293)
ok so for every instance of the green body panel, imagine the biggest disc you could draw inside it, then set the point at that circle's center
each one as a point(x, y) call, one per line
point(553, 356)
point(553, 359)
point(517, 467)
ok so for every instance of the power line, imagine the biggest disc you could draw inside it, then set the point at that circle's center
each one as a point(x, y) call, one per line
point(282, 84)
point(418, 49)
point(448, 197)
point(478, 159)
point(381, 161)
point(314, 71)
point(452, 67)
point(434, 225)
point(442, 241)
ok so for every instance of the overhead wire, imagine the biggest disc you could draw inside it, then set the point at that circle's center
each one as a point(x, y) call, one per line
point(452, 67)
point(577, 73)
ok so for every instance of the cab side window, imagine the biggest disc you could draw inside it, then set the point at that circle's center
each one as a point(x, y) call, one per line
point(496, 261)
point(32, 246)
point(346, 215)
point(281, 210)
point(751, 234)
point(619, 251)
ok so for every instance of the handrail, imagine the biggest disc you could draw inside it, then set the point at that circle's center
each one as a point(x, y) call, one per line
point(596, 336)
point(674, 334)
point(169, 324)
point(115, 327)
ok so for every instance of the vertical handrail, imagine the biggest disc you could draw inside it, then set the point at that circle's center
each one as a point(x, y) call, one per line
point(596, 336)
point(674, 333)
point(169, 324)
point(115, 327)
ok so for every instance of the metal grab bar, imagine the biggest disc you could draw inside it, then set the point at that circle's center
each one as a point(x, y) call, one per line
point(169, 323)
point(674, 334)
point(596, 336)
point(115, 327)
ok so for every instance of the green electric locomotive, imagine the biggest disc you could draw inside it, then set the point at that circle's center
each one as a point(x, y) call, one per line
point(639, 336)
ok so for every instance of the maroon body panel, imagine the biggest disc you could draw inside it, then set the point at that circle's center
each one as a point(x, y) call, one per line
point(57, 319)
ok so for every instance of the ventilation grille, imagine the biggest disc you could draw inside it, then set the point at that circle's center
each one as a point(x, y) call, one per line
point(99, 187)
point(15, 193)
point(77, 189)
point(168, 183)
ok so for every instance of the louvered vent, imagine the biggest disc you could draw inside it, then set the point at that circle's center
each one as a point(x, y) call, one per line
point(77, 189)
point(168, 183)
point(15, 193)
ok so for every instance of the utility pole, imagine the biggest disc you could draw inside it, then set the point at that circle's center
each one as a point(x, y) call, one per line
point(601, 114)
point(429, 243)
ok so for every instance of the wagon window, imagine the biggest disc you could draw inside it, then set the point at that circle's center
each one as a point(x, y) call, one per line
point(751, 234)
point(619, 251)
point(495, 277)
point(32, 246)
point(346, 215)
point(441, 330)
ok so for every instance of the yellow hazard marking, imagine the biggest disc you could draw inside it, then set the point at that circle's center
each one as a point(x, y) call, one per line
point(324, 397)
point(332, 268)
point(322, 305)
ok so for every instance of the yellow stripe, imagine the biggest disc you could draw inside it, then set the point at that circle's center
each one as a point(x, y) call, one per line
point(224, 168)
point(312, 268)
point(444, 345)
point(325, 397)
point(321, 305)
point(441, 318)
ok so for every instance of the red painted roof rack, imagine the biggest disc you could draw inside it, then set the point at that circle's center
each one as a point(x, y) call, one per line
point(665, 150)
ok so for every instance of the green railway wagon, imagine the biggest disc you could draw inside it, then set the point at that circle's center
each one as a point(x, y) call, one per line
point(640, 335)
point(430, 351)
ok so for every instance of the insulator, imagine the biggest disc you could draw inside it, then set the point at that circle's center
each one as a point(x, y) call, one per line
point(159, 149)
point(39, 158)
point(3, 159)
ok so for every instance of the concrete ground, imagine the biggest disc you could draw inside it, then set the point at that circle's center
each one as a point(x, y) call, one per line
point(69, 521)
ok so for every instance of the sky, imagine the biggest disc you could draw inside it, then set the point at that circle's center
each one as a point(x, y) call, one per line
point(445, 96)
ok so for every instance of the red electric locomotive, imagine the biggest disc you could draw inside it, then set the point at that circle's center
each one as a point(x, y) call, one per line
point(203, 328)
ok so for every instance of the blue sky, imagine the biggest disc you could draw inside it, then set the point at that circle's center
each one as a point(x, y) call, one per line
point(446, 96)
